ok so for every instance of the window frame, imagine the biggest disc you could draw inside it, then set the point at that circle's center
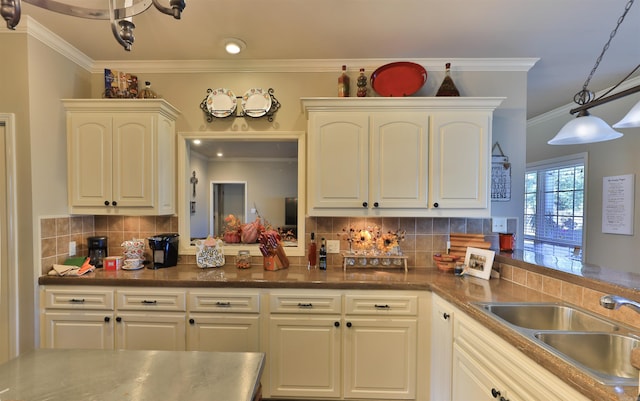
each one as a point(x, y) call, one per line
point(564, 249)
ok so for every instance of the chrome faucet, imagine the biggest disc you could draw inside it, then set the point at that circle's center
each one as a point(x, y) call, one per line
point(615, 302)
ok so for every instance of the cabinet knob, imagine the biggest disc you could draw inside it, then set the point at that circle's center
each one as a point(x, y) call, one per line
point(495, 393)
point(118, 319)
point(114, 203)
point(192, 321)
point(349, 324)
point(436, 204)
point(337, 324)
point(106, 203)
point(365, 204)
point(375, 204)
point(446, 316)
point(107, 319)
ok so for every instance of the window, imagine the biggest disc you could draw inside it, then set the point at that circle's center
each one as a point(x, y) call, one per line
point(554, 205)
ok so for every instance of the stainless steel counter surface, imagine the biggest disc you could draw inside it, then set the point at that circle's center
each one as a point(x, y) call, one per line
point(460, 291)
point(97, 375)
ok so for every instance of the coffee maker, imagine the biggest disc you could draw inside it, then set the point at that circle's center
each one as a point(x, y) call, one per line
point(164, 250)
point(97, 250)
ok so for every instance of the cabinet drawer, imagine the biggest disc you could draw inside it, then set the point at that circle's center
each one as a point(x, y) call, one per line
point(381, 305)
point(304, 303)
point(220, 302)
point(151, 300)
point(78, 298)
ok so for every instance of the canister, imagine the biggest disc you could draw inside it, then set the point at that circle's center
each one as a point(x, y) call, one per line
point(113, 262)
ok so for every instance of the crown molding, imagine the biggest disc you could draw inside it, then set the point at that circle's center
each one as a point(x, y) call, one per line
point(307, 65)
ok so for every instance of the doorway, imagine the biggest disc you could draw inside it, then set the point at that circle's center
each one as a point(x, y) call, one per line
point(8, 238)
point(227, 197)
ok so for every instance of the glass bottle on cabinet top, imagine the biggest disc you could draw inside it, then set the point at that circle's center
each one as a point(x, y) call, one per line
point(343, 83)
point(448, 88)
point(362, 84)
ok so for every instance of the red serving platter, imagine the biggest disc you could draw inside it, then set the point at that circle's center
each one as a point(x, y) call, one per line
point(398, 79)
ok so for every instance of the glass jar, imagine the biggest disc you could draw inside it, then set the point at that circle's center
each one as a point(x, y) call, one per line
point(243, 260)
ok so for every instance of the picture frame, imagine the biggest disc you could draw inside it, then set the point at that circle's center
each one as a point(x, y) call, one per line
point(478, 262)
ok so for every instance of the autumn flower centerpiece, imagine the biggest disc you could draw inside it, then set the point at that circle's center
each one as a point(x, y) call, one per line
point(389, 243)
point(232, 229)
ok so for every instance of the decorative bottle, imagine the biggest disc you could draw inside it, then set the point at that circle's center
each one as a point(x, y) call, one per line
point(448, 88)
point(343, 83)
point(323, 256)
point(147, 93)
point(313, 252)
point(362, 84)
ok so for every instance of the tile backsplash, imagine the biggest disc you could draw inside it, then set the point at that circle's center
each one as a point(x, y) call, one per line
point(57, 232)
point(424, 235)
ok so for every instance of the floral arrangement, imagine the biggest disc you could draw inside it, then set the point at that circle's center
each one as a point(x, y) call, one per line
point(232, 230)
point(370, 239)
point(389, 241)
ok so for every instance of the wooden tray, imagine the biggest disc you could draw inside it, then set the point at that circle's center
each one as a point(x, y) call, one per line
point(460, 242)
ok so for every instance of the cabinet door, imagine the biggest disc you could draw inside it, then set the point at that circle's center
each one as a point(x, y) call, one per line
point(150, 331)
point(134, 166)
point(441, 349)
point(338, 167)
point(399, 160)
point(73, 329)
point(89, 164)
point(473, 381)
point(460, 159)
point(380, 358)
point(304, 356)
point(223, 332)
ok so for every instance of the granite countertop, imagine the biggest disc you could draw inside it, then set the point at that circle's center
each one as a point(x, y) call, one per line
point(57, 374)
point(460, 291)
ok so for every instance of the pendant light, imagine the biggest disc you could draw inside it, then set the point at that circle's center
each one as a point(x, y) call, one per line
point(118, 12)
point(589, 129)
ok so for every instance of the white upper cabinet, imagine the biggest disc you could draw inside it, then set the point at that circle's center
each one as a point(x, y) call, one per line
point(399, 156)
point(121, 156)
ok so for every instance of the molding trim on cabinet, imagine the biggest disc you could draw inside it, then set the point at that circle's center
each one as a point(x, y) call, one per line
point(399, 104)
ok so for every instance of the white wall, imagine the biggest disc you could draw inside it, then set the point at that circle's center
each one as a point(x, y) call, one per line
point(617, 157)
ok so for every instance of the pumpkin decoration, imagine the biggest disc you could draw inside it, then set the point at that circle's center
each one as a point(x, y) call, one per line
point(251, 231)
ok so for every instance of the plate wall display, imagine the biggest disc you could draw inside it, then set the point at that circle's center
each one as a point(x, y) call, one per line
point(398, 79)
point(221, 102)
point(256, 102)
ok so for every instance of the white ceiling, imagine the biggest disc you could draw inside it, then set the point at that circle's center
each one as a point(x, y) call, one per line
point(566, 35)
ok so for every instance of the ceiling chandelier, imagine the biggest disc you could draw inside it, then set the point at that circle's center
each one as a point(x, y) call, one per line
point(119, 12)
point(589, 129)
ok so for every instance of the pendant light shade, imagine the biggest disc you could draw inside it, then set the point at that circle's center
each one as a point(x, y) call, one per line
point(631, 120)
point(586, 129)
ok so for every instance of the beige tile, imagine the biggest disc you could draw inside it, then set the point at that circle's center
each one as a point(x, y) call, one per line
point(534, 281)
point(62, 245)
point(48, 228)
point(75, 225)
point(571, 293)
point(101, 223)
point(519, 276)
point(48, 247)
point(62, 226)
point(131, 223)
point(115, 223)
point(551, 286)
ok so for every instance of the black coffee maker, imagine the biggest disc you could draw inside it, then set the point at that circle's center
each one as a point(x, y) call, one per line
point(97, 250)
point(164, 250)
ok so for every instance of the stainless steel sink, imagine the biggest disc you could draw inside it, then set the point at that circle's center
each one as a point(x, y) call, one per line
point(548, 316)
point(598, 346)
point(606, 355)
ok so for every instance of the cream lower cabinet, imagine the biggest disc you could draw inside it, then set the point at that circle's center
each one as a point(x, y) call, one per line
point(77, 317)
point(121, 156)
point(442, 317)
point(485, 367)
point(366, 349)
point(223, 320)
point(399, 156)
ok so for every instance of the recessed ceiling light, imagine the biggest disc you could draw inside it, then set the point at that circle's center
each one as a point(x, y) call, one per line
point(234, 46)
point(196, 142)
point(219, 154)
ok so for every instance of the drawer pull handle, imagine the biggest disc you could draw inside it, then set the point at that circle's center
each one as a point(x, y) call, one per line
point(378, 306)
point(223, 304)
point(76, 300)
point(301, 305)
point(147, 302)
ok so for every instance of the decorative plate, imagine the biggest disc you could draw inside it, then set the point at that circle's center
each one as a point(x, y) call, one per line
point(221, 102)
point(256, 102)
point(398, 79)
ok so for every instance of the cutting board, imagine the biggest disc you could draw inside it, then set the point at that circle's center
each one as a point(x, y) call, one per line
point(460, 242)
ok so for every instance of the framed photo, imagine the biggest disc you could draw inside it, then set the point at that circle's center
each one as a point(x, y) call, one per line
point(479, 262)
